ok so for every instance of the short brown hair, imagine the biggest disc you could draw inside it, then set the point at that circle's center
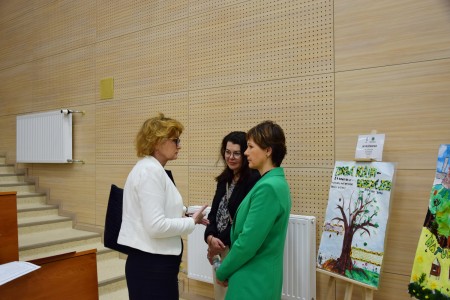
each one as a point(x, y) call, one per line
point(155, 130)
point(268, 134)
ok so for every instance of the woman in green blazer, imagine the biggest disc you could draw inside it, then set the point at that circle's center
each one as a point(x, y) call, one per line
point(253, 269)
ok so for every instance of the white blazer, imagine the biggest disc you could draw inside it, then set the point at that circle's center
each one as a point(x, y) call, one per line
point(152, 217)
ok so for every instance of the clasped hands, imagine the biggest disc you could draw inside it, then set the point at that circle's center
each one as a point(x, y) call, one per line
point(215, 247)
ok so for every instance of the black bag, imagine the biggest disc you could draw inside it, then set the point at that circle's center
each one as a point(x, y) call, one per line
point(113, 219)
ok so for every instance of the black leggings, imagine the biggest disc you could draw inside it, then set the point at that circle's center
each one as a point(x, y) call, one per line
point(152, 276)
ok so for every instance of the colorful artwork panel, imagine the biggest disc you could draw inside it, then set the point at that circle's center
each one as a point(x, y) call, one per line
point(353, 237)
point(430, 276)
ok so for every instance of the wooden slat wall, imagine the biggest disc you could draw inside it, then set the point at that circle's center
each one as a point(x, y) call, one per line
point(64, 80)
point(407, 102)
point(16, 82)
point(325, 70)
point(17, 37)
point(370, 34)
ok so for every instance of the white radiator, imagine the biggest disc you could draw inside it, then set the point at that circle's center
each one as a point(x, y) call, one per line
point(299, 272)
point(299, 267)
point(44, 137)
point(198, 265)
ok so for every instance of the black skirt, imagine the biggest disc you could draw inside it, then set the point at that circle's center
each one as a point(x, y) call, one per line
point(152, 276)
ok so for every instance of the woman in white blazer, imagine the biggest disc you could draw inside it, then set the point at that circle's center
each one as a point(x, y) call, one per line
point(152, 219)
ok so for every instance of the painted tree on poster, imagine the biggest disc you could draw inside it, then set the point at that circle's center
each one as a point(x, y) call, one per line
point(360, 219)
point(352, 242)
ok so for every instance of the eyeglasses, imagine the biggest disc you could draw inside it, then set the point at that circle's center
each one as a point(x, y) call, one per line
point(177, 141)
point(229, 154)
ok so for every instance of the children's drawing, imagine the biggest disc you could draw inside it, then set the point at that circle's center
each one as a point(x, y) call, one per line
point(430, 277)
point(353, 236)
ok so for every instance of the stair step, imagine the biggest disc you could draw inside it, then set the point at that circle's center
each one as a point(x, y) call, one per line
point(2, 160)
point(114, 291)
point(52, 237)
point(46, 226)
point(33, 220)
point(60, 248)
point(35, 207)
point(19, 187)
point(7, 169)
point(31, 200)
point(38, 210)
point(11, 178)
point(110, 268)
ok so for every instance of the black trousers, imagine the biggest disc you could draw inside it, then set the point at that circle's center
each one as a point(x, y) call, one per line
point(152, 276)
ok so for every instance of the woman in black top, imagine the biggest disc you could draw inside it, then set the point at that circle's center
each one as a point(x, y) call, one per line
point(233, 184)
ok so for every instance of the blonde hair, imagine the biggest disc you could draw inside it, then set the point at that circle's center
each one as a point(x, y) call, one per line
point(153, 131)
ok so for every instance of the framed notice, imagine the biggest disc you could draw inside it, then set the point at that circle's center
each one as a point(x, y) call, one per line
point(370, 147)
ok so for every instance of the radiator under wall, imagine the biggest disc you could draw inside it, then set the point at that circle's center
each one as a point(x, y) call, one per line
point(44, 137)
point(299, 272)
point(299, 269)
point(198, 265)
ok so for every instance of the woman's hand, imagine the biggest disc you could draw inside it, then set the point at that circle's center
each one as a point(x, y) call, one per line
point(215, 247)
point(222, 283)
point(199, 216)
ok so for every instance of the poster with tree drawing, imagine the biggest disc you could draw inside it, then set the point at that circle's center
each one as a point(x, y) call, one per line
point(353, 237)
point(430, 276)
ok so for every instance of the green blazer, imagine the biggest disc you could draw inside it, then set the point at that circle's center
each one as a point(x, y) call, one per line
point(254, 265)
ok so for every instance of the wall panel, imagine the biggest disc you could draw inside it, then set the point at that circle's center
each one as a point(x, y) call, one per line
point(17, 40)
point(72, 186)
point(8, 137)
point(147, 62)
point(83, 134)
point(64, 80)
point(16, 89)
point(202, 185)
point(116, 18)
point(62, 26)
point(12, 9)
point(205, 6)
point(409, 207)
point(182, 180)
point(302, 106)
point(309, 191)
point(379, 33)
point(409, 103)
point(260, 41)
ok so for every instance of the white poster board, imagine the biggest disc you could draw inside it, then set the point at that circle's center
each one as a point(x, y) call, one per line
point(353, 237)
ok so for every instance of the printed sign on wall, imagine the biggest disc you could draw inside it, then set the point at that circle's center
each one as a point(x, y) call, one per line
point(430, 277)
point(370, 146)
point(353, 237)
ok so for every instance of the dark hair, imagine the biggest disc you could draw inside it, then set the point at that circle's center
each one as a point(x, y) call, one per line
point(239, 138)
point(270, 135)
